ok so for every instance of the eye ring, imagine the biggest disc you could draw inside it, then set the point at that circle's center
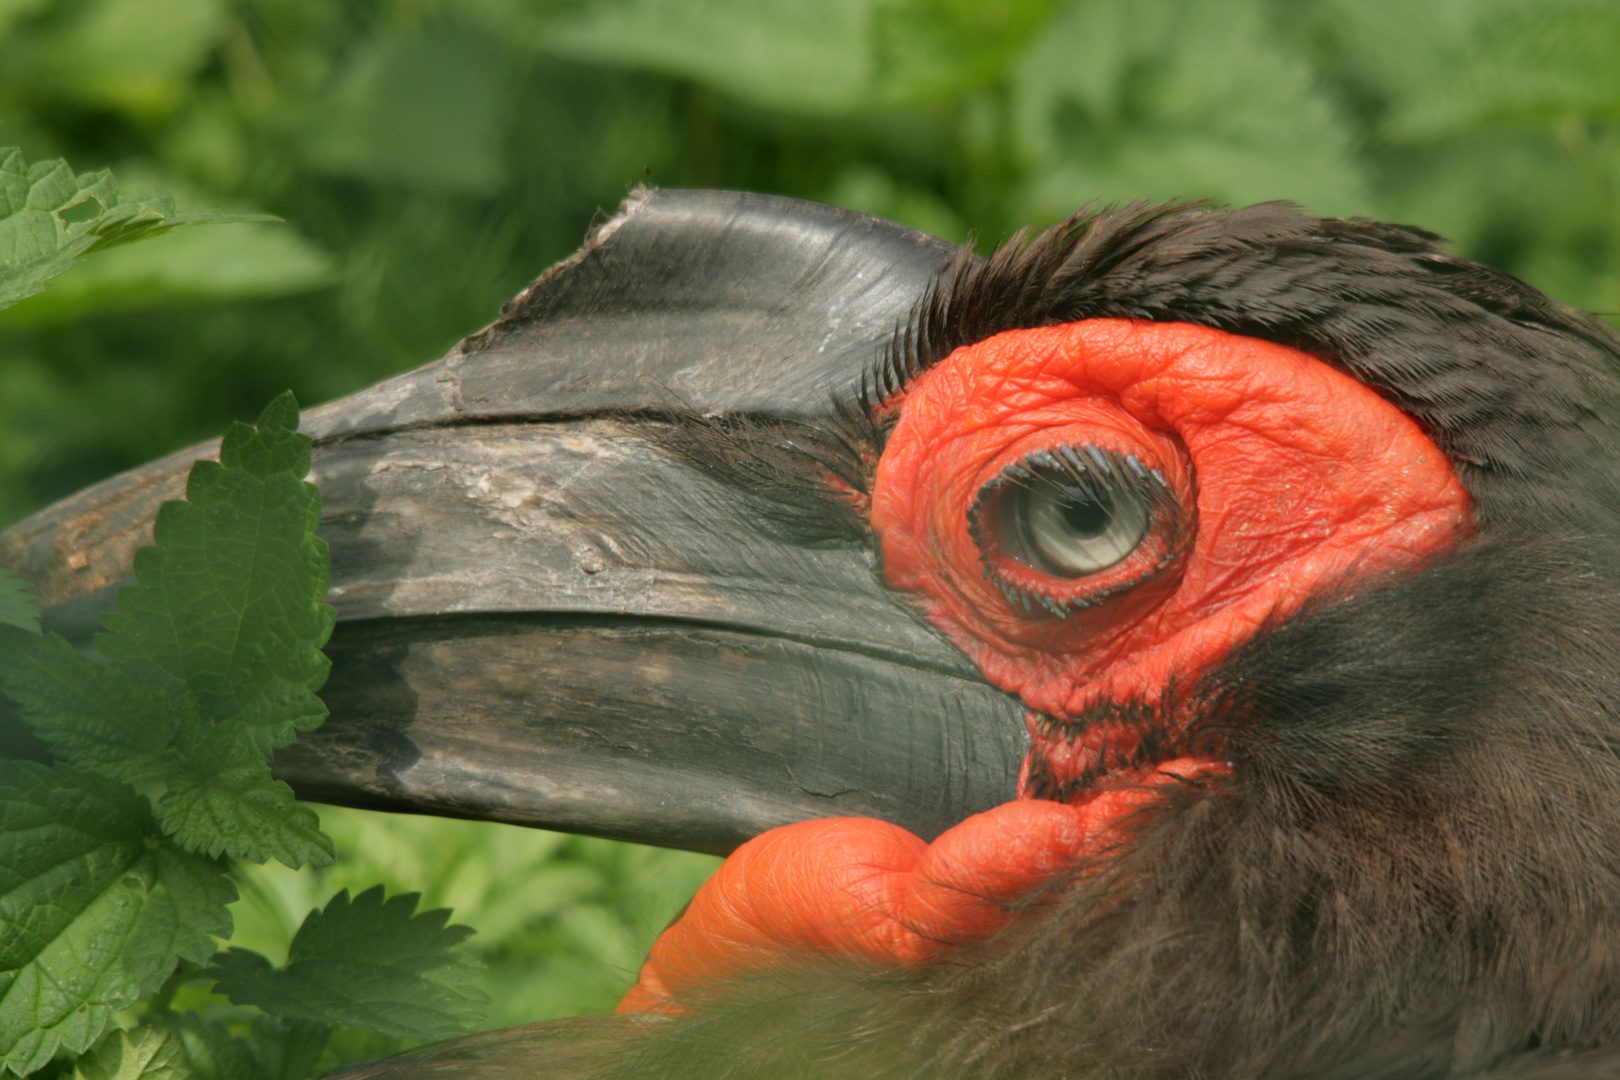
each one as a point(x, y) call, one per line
point(1072, 516)
point(1055, 518)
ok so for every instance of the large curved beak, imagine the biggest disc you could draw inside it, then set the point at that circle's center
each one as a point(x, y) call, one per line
point(546, 619)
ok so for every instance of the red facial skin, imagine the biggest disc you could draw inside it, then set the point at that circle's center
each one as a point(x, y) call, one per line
point(1292, 476)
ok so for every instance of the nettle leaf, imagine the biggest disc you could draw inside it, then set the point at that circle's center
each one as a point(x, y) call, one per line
point(185, 910)
point(221, 799)
point(94, 908)
point(273, 1050)
point(16, 603)
point(367, 963)
point(212, 1052)
point(143, 1054)
point(92, 714)
point(215, 655)
point(287, 1049)
point(247, 261)
point(50, 218)
point(230, 602)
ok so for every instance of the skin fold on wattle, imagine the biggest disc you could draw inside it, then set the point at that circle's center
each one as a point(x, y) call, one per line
point(1298, 478)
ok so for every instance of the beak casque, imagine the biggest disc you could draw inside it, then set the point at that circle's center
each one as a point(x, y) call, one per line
point(544, 618)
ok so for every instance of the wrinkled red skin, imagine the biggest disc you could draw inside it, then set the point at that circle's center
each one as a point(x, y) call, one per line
point(1298, 477)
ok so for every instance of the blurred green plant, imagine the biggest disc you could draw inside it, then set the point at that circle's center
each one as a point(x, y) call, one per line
point(434, 155)
point(50, 219)
point(564, 922)
point(114, 857)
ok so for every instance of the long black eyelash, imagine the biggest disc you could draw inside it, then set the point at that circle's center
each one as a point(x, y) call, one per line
point(1146, 718)
point(1026, 283)
point(1099, 473)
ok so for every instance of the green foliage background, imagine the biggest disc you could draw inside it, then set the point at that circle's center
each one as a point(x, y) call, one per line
point(431, 156)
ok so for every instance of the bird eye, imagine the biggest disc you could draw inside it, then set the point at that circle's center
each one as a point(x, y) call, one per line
point(1075, 512)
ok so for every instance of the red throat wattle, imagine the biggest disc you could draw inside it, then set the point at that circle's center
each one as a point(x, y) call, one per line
point(1240, 477)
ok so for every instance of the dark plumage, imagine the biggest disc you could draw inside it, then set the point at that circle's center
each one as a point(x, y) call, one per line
point(1514, 388)
point(1415, 869)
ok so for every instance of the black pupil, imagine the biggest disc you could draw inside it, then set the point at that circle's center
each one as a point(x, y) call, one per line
point(1085, 516)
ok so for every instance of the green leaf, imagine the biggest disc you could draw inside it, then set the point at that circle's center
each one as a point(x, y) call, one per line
point(145, 214)
point(50, 218)
point(349, 1048)
point(221, 799)
point(185, 910)
point(218, 649)
point(229, 263)
point(368, 964)
point(92, 714)
point(143, 1054)
point(287, 1049)
point(274, 1049)
point(212, 1052)
point(16, 605)
point(230, 603)
point(94, 908)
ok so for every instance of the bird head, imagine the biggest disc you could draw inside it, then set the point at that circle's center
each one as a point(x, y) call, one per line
point(755, 511)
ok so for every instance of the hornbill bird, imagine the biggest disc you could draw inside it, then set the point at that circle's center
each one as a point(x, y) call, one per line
point(1182, 644)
